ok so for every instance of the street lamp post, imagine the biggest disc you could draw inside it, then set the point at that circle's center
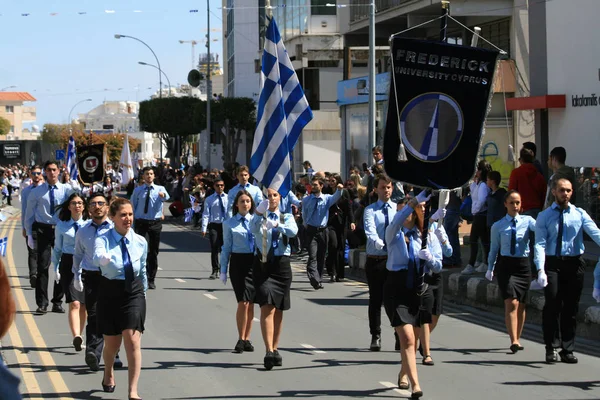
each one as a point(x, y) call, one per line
point(76, 104)
point(162, 72)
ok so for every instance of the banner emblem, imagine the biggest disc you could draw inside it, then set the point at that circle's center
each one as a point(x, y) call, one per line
point(90, 164)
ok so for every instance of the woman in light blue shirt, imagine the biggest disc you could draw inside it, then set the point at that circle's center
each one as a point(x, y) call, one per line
point(121, 308)
point(510, 238)
point(404, 289)
point(272, 272)
point(238, 253)
point(72, 216)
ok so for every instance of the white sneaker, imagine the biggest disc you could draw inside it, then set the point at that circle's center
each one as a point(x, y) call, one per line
point(477, 264)
point(482, 268)
point(468, 270)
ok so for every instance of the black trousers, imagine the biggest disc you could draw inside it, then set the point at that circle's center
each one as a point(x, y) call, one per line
point(376, 277)
point(559, 317)
point(335, 251)
point(316, 239)
point(479, 230)
point(94, 341)
point(151, 231)
point(32, 256)
point(45, 242)
point(215, 236)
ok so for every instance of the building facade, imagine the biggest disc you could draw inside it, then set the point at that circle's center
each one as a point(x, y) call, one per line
point(13, 108)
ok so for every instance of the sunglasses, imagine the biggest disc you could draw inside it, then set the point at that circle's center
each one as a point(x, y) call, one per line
point(97, 204)
point(36, 173)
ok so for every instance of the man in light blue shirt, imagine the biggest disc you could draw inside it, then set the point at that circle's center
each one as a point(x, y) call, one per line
point(42, 204)
point(35, 173)
point(147, 201)
point(243, 175)
point(561, 268)
point(315, 214)
point(213, 216)
point(376, 219)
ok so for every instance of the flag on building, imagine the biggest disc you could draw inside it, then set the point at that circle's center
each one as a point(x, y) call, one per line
point(283, 112)
point(72, 167)
point(126, 164)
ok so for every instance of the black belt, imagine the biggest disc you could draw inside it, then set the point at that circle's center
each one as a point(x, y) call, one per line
point(377, 257)
point(148, 221)
point(320, 229)
point(565, 258)
point(215, 223)
point(90, 272)
point(50, 226)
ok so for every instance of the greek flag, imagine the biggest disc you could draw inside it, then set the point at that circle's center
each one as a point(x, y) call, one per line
point(283, 112)
point(188, 214)
point(3, 245)
point(72, 160)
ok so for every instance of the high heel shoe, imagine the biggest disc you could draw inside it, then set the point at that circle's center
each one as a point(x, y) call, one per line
point(108, 388)
point(416, 395)
point(402, 385)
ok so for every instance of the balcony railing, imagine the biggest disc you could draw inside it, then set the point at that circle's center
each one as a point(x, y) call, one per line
point(359, 10)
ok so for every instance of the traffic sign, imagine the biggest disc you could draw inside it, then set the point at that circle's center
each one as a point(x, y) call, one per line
point(60, 155)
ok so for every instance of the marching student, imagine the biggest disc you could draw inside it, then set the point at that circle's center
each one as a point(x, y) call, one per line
point(35, 174)
point(72, 216)
point(42, 204)
point(213, 216)
point(510, 238)
point(243, 176)
point(238, 253)
point(341, 219)
point(272, 272)
point(377, 218)
point(561, 268)
point(147, 201)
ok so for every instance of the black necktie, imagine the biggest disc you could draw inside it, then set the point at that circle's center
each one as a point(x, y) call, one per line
point(561, 223)
point(147, 199)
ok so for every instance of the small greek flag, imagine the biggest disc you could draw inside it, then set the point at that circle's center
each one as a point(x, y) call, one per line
point(189, 213)
point(72, 160)
point(3, 246)
point(283, 112)
point(192, 199)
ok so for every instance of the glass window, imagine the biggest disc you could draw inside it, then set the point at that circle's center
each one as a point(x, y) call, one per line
point(319, 7)
point(10, 109)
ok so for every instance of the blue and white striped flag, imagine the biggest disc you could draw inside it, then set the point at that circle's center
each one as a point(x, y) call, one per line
point(3, 246)
point(72, 167)
point(188, 214)
point(283, 112)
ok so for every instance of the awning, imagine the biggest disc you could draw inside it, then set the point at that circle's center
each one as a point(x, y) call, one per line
point(536, 102)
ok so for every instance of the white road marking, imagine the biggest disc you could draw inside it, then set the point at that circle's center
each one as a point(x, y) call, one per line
point(394, 386)
point(160, 269)
point(255, 319)
point(179, 280)
point(313, 348)
point(210, 296)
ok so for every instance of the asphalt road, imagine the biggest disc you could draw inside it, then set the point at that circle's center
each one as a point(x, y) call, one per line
point(187, 347)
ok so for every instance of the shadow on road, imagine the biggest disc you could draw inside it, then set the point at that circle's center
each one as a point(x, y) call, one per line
point(380, 392)
point(589, 385)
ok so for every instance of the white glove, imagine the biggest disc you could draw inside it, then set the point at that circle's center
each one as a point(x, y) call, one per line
point(423, 196)
point(104, 259)
point(439, 214)
point(223, 278)
point(440, 233)
point(596, 295)
point(542, 278)
point(271, 224)
point(30, 242)
point(489, 275)
point(262, 207)
point(57, 276)
point(379, 244)
point(425, 254)
point(78, 284)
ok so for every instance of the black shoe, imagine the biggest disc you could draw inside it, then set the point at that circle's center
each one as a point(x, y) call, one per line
point(239, 346)
point(320, 286)
point(397, 344)
point(278, 358)
point(416, 395)
point(92, 361)
point(339, 279)
point(269, 360)
point(41, 310)
point(521, 347)
point(118, 364)
point(57, 308)
point(108, 388)
point(375, 343)
point(248, 346)
point(568, 357)
point(514, 348)
point(32, 281)
point(213, 276)
point(332, 279)
point(151, 285)
point(77, 342)
point(551, 356)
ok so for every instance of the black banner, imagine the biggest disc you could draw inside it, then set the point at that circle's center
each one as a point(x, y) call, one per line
point(439, 97)
point(90, 160)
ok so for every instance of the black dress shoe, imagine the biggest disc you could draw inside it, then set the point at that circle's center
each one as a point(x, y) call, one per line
point(521, 347)
point(248, 346)
point(568, 357)
point(375, 343)
point(41, 310)
point(151, 285)
point(92, 361)
point(416, 395)
point(340, 279)
point(332, 279)
point(108, 388)
point(269, 360)
point(57, 308)
point(514, 348)
point(77, 342)
point(239, 346)
point(278, 358)
point(551, 356)
point(118, 364)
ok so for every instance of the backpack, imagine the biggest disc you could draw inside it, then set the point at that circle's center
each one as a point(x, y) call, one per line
point(465, 209)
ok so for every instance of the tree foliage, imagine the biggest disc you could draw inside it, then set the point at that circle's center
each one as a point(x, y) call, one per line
point(4, 126)
point(233, 116)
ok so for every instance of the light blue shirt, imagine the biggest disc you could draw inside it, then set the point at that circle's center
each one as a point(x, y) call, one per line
point(155, 205)
point(546, 232)
point(289, 228)
point(597, 276)
point(374, 222)
point(254, 191)
point(315, 210)
point(285, 204)
point(500, 238)
point(24, 196)
point(83, 258)
point(64, 239)
point(110, 243)
point(397, 248)
point(212, 210)
point(235, 238)
point(38, 204)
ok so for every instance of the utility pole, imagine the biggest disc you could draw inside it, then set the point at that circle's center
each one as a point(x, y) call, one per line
point(208, 73)
point(372, 87)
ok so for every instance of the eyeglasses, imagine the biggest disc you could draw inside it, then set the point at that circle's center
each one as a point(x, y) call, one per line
point(97, 204)
point(36, 173)
point(76, 203)
point(220, 185)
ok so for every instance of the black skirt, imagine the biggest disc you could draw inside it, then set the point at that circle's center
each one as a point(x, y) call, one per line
point(117, 309)
point(514, 277)
point(66, 280)
point(273, 281)
point(436, 283)
point(402, 305)
point(240, 272)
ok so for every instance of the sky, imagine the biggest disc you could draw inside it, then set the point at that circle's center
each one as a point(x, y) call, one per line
point(63, 59)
